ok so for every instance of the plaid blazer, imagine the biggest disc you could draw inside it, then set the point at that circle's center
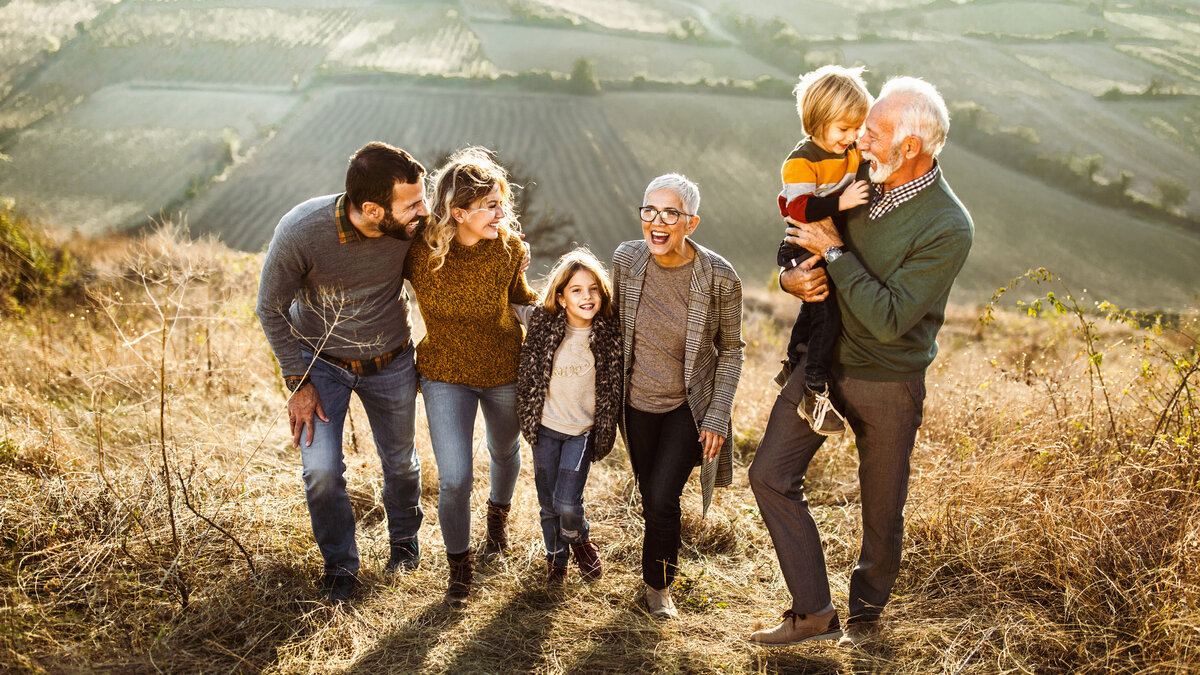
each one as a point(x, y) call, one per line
point(713, 359)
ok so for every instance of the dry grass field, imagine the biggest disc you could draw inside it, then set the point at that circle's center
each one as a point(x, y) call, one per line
point(153, 520)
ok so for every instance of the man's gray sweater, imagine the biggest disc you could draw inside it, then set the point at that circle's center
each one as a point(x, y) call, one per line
point(344, 300)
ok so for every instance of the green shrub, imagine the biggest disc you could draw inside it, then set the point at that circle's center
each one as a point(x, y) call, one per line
point(33, 270)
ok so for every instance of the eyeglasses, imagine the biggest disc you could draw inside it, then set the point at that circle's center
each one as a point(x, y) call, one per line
point(667, 216)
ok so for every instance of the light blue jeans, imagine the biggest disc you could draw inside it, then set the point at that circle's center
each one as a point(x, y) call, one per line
point(451, 410)
point(390, 400)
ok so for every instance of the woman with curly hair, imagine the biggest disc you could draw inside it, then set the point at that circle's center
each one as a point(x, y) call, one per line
point(467, 271)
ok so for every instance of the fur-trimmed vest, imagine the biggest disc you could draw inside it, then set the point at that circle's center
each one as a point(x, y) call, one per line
point(545, 334)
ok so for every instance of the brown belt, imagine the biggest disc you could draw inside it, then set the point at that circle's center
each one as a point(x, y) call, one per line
point(365, 367)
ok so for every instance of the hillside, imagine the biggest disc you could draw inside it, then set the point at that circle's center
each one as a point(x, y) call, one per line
point(153, 515)
point(1075, 123)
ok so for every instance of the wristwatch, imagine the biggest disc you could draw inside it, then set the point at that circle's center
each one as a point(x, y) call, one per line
point(294, 382)
point(833, 253)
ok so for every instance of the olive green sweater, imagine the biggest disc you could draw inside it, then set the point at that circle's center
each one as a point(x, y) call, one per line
point(894, 281)
point(472, 335)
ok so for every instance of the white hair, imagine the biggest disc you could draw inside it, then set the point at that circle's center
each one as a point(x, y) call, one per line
point(923, 113)
point(689, 192)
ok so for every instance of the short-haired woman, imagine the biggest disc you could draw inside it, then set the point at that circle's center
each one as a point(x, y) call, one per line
point(680, 306)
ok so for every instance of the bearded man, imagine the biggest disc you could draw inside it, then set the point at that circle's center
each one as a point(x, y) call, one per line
point(892, 272)
point(332, 303)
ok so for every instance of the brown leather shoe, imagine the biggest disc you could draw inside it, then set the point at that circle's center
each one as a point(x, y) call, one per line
point(796, 628)
point(588, 559)
point(459, 587)
point(495, 542)
point(556, 575)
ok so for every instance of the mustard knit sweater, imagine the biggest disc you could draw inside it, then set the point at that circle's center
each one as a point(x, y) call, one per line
point(472, 335)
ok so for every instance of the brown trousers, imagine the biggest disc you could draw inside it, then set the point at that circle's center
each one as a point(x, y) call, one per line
point(885, 417)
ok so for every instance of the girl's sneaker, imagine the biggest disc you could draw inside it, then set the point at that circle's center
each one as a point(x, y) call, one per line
point(588, 559)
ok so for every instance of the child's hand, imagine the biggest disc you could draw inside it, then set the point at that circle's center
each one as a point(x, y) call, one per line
point(857, 194)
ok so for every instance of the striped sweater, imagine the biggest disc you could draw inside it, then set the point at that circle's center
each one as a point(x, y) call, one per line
point(813, 179)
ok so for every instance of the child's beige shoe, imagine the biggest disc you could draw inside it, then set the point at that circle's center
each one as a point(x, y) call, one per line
point(817, 409)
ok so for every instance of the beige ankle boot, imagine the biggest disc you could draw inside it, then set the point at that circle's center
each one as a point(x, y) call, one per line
point(659, 603)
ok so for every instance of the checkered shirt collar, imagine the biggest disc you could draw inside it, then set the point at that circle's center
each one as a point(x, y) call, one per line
point(346, 231)
point(883, 203)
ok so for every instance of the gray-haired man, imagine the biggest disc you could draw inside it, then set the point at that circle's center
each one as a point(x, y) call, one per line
point(902, 252)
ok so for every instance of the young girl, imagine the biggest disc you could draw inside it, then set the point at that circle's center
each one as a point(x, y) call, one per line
point(568, 400)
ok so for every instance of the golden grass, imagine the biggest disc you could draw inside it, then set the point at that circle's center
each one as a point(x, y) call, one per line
point(1038, 540)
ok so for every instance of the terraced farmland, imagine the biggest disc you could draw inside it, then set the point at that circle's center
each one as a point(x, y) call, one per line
point(140, 104)
point(127, 153)
point(616, 57)
point(565, 142)
point(1024, 19)
point(31, 31)
point(257, 44)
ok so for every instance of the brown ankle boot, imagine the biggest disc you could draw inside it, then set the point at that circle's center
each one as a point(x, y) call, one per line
point(588, 559)
point(556, 575)
point(459, 588)
point(495, 542)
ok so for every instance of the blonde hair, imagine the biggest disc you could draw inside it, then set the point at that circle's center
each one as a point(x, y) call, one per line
point(468, 176)
point(829, 94)
point(565, 268)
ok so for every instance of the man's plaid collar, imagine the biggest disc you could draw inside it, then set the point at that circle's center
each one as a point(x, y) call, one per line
point(346, 231)
point(883, 203)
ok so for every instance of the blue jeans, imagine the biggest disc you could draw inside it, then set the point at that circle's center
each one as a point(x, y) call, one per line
point(560, 469)
point(451, 410)
point(390, 400)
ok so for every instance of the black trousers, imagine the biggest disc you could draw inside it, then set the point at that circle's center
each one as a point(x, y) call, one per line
point(818, 325)
point(664, 447)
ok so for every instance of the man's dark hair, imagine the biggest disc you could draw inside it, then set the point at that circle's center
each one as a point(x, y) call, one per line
point(374, 170)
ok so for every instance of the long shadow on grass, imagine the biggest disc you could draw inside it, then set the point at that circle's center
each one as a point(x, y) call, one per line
point(628, 643)
point(513, 641)
point(799, 659)
point(405, 649)
point(242, 623)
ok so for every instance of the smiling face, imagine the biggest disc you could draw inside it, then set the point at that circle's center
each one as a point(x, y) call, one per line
point(838, 135)
point(668, 243)
point(481, 219)
point(408, 212)
point(401, 219)
point(881, 148)
point(580, 298)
